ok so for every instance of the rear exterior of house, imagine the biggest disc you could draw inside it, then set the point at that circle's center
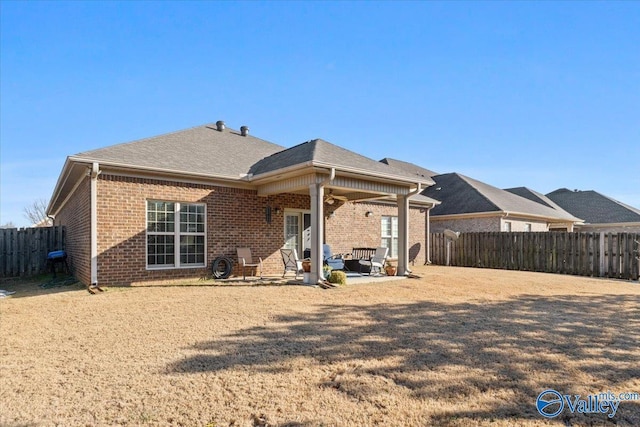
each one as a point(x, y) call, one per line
point(138, 225)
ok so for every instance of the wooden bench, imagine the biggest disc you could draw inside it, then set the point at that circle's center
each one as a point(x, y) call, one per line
point(353, 264)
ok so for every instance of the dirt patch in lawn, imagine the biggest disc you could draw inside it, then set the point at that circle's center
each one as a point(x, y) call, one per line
point(457, 347)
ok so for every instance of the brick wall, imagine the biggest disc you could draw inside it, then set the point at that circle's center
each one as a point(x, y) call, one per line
point(235, 218)
point(492, 223)
point(350, 227)
point(76, 217)
point(465, 225)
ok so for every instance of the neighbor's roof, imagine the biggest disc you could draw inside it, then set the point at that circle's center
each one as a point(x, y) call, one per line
point(534, 196)
point(409, 167)
point(463, 195)
point(318, 152)
point(200, 150)
point(594, 207)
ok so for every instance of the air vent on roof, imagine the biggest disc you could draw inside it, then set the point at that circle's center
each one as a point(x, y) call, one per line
point(220, 125)
point(244, 130)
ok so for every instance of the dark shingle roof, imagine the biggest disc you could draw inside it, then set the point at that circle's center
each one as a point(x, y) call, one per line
point(409, 167)
point(534, 196)
point(460, 194)
point(321, 152)
point(199, 150)
point(594, 207)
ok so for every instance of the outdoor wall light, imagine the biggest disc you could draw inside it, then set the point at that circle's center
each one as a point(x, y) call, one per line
point(277, 210)
point(368, 214)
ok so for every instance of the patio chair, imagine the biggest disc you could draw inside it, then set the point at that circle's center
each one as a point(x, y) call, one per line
point(334, 261)
point(246, 260)
point(377, 260)
point(291, 261)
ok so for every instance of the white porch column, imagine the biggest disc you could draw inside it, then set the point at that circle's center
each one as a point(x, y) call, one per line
point(317, 223)
point(93, 200)
point(403, 235)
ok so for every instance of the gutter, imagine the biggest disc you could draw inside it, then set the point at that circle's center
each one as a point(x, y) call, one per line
point(313, 164)
point(161, 171)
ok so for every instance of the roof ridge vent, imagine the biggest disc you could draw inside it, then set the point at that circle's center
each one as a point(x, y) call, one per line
point(244, 130)
point(220, 125)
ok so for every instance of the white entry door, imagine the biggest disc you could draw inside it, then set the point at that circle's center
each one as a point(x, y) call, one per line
point(297, 231)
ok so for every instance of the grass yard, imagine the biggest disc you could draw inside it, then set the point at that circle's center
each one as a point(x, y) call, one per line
point(459, 347)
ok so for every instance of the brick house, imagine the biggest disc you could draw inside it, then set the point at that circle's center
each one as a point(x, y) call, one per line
point(600, 213)
point(469, 205)
point(163, 208)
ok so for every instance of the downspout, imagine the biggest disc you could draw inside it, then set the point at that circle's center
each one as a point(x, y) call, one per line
point(428, 261)
point(95, 171)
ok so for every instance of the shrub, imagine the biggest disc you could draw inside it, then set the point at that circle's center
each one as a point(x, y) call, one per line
point(339, 277)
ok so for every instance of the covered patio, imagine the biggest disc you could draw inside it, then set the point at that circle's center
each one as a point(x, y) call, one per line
point(330, 174)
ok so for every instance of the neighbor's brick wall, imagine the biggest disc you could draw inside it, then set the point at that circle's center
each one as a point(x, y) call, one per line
point(607, 229)
point(519, 225)
point(76, 217)
point(494, 223)
point(235, 218)
point(350, 227)
point(465, 225)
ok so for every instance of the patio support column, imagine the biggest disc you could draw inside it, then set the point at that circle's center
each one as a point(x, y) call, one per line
point(403, 235)
point(316, 192)
point(95, 171)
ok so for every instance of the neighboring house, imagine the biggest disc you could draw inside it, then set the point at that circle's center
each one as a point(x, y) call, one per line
point(600, 213)
point(163, 208)
point(534, 196)
point(469, 205)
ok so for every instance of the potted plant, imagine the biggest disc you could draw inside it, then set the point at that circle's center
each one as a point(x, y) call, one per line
point(390, 269)
point(326, 271)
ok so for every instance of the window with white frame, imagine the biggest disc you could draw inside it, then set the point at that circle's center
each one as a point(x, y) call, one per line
point(175, 234)
point(389, 234)
point(506, 226)
point(527, 227)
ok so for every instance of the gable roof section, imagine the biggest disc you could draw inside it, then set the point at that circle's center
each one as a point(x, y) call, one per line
point(204, 153)
point(409, 167)
point(534, 196)
point(201, 150)
point(463, 195)
point(320, 153)
point(594, 207)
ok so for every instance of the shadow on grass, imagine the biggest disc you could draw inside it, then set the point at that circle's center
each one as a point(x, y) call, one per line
point(454, 352)
point(43, 284)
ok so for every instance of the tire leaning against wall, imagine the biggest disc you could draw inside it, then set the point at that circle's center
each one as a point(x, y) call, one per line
point(222, 267)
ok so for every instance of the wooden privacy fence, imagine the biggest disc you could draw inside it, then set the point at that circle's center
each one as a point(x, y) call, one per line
point(615, 255)
point(23, 252)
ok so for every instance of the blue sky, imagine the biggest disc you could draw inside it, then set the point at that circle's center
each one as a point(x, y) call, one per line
point(538, 94)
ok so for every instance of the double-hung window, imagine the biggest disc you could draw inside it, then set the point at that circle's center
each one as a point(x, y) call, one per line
point(175, 234)
point(389, 234)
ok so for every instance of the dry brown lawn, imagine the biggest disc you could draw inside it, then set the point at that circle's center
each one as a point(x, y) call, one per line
point(458, 347)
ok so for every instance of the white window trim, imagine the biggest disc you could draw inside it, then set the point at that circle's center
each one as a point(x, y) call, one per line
point(301, 213)
point(176, 239)
point(392, 237)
